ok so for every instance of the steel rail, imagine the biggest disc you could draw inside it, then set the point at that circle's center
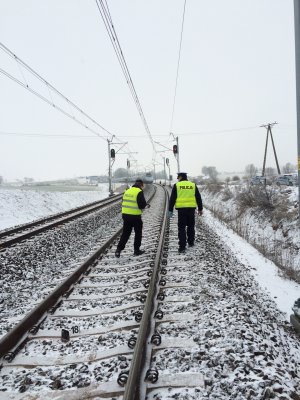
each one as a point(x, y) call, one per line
point(12, 338)
point(44, 228)
point(135, 378)
point(23, 227)
point(19, 333)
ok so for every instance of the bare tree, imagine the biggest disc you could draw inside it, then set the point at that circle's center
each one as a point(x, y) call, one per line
point(288, 168)
point(120, 173)
point(250, 170)
point(211, 172)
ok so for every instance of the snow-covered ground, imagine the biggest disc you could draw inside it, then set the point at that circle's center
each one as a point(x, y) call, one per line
point(283, 291)
point(216, 272)
point(221, 332)
point(19, 206)
point(267, 219)
point(23, 205)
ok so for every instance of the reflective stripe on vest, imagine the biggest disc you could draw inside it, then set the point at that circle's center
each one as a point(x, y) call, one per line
point(129, 203)
point(186, 198)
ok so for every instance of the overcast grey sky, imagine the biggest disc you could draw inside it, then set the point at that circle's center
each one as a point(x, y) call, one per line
point(237, 71)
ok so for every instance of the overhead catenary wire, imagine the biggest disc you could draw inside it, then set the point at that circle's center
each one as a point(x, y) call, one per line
point(49, 86)
point(178, 63)
point(105, 14)
point(46, 135)
point(49, 102)
point(107, 19)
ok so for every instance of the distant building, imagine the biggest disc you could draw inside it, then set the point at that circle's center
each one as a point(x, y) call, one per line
point(82, 180)
point(95, 179)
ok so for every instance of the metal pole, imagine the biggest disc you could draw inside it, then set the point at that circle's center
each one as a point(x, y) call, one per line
point(297, 57)
point(109, 170)
point(165, 169)
point(178, 166)
point(128, 166)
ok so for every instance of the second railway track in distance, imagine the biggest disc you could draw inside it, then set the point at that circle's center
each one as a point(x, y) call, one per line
point(15, 235)
point(159, 326)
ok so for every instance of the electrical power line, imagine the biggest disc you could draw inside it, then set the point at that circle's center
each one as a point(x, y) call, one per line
point(182, 134)
point(107, 19)
point(130, 136)
point(178, 62)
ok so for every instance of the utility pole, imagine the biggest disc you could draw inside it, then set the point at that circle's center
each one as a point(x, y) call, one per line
point(269, 131)
point(297, 57)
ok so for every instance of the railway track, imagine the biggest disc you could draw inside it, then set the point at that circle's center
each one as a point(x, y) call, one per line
point(33, 268)
point(160, 326)
point(26, 231)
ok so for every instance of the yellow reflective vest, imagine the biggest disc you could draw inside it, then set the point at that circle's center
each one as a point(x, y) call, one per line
point(186, 198)
point(129, 203)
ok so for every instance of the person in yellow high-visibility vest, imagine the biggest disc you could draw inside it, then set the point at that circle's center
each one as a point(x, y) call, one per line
point(132, 205)
point(186, 198)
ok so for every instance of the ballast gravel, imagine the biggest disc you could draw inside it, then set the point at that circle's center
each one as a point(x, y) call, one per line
point(241, 342)
point(33, 268)
point(217, 322)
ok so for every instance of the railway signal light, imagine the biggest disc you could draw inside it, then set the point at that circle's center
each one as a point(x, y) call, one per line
point(167, 161)
point(128, 164)
point(175, 149)
point(112, 153)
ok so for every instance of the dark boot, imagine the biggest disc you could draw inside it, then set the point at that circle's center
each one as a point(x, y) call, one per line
point(139, 252)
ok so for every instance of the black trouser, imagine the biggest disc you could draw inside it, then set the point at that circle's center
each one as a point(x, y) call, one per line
point(186, 218)
point(129, 222)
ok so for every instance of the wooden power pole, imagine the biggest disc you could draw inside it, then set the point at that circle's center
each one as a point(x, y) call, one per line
point(269, 132)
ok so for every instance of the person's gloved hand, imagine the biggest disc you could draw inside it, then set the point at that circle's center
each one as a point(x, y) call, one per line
point(170, 215)
point(148, 205)
point(200, 212)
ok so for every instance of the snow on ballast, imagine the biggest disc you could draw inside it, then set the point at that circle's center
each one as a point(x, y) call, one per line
point(218, 335)
point(100, 316)
point(33, 268)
